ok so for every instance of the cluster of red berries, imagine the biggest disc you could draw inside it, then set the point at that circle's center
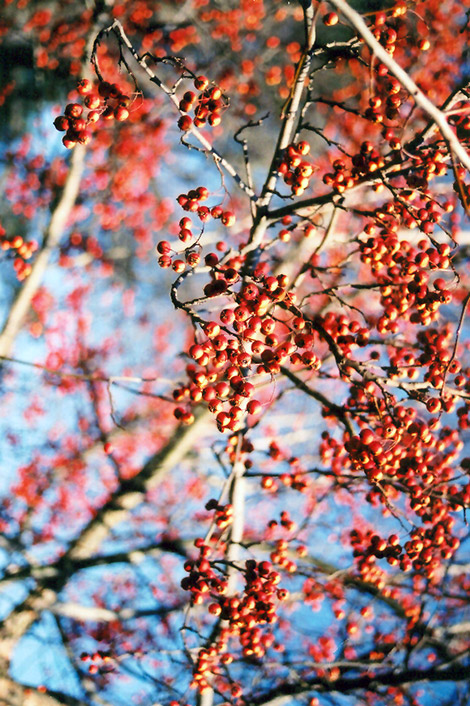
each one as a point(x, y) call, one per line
point(207, 107)
point(462, 120)
point(223, 513)
point(368, 160)
point(192, 202)
point(242, 615)
point(107, 103)
point(424, 552)
point(295, 170)
point(100, 661)
point(407, 292)
point(202, 580)
point(436, 362)
point(387, 99)
point(225, 360)
point(341, 179)
point(281, 555)
point(384, 32)
point(296, 479)
point(218, 380)
point(364, 163)
point(345, 333)
point(20, 250)
point(367, 547)
point(428, 163)
point(407, 454)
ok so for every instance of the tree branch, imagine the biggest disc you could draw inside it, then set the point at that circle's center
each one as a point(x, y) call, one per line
point(406, 81)
point(30, 285)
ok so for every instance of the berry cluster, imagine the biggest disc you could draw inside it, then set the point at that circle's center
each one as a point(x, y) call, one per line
point(280, 555)
point(20, 251)
point(100, 661)
point(243, 616)
point(296, 171)
point(202, 579)
point(366, 548)
point(246, 342)
point(428, 163)
point(296, 479)
point(387, 98)
point(107, 103)
point(424, 552)
point(406, 454)
point(342, 178)
point(207, 107)
point(367, 160)
point(408, 292)
point(223, 513)
point(462, 121)
point(192, 202)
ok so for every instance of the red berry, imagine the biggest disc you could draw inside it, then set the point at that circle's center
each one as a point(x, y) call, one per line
point(121, 113)
point(84, 137)
point(104, 89)
point(108, 113)
point(93, 116)
point(228, 218)
point(253, 407)
point(330, 19)
point(163, 247)
point(201, 83)
point(214, 119)
point(61, 123)
point(73, 110)
point(92, 102)
point(185, 122)
point(84, 86)
point(69, 142)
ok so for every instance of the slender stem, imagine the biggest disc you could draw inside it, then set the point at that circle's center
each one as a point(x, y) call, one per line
point(286, 133)
point(170, 93)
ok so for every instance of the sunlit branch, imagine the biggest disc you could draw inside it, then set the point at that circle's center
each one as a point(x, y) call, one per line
point(291, 113)
point(405, 79)
point(291, 110)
